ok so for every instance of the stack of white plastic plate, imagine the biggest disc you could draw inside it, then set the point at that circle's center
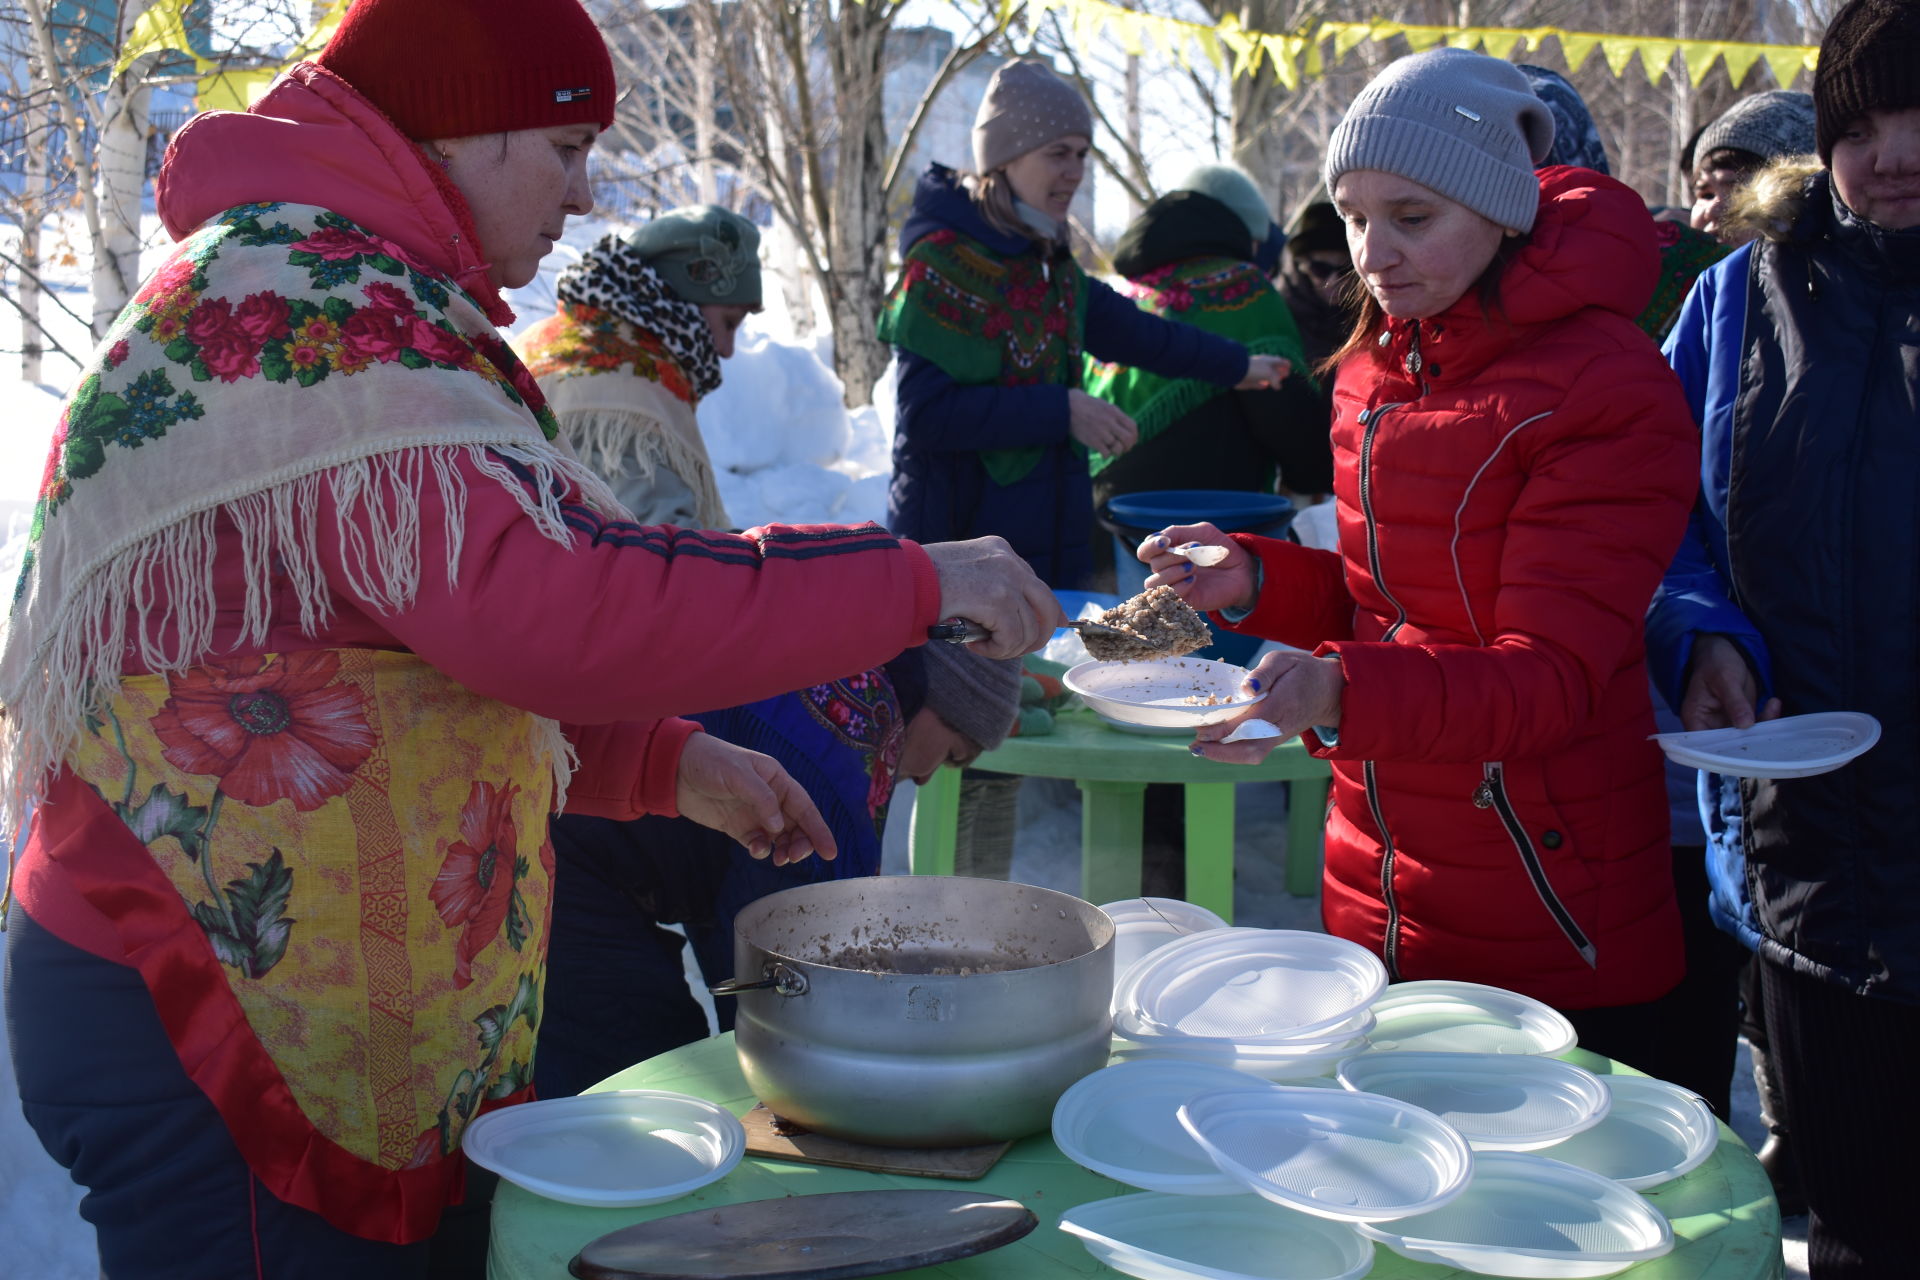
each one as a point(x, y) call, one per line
point(1353, 1156)
point(1163, 1237)
point(1467, 1017)
point(1124, 1121)
point(1654, 1133)
point(1143, 925)
point(1527, 1216)
point(1497, 1102)
point(1276, 1002)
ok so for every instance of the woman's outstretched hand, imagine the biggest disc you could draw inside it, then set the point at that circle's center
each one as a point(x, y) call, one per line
point(1264, 372)
point(750, 797)
point(1303, 692)
point(1227, 585)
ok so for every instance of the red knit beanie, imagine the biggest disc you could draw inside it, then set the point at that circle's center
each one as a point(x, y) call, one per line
point(454, 68)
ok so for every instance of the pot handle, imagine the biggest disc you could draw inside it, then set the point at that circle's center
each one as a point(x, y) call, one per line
point(788, 982)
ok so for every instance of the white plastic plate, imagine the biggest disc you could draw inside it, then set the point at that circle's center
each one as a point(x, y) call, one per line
point(1168, 693)
point(1289, 1063)
point(1165, 1237)
point(1353, 1156)
point(1467, 1017)
point(1656, 1132)
point(1498, 1102)
point(1250, 986)
point(1123, 1121)
point(1141, 925)
point(1790, 747)
point(1532, 1217)
point(609, 1150)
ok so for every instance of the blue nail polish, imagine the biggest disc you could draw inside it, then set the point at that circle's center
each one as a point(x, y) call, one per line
point(1161, 542)
point(1253, 683)
point(1194, 749)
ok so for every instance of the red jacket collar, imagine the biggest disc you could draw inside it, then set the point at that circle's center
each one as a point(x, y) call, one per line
point(314, 140)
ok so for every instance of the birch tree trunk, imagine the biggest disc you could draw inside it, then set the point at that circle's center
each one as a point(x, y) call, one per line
point(858, 231)
point(120, 179)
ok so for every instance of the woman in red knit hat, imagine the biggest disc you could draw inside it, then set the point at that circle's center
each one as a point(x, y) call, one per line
point(319, 625)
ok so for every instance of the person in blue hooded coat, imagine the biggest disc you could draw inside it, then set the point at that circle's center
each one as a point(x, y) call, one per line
point(990, 319)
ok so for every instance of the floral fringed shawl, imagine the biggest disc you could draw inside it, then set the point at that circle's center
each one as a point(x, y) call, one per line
point(330, 866)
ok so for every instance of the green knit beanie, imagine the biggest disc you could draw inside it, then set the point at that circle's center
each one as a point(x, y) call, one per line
point(1232, 187)
point(707, 255)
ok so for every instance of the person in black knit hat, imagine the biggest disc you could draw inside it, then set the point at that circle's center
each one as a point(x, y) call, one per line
point(1813, 331)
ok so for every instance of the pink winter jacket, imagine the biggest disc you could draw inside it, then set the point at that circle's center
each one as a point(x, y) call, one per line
point(630, 625)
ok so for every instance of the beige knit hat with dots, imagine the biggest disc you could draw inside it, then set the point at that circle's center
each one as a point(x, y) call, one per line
point(1027, 106)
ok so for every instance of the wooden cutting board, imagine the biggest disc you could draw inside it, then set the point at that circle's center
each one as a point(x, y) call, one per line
point(960, 1163)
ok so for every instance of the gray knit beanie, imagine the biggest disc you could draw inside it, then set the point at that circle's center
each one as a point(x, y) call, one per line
point(979, 697)
point(1026, 107)
point(706, 254)
point(1464, 124)
point(1770, 125)
point(1233, 187)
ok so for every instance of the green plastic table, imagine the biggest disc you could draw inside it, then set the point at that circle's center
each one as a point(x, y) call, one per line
point(1112, 769)
point(1725, 1223)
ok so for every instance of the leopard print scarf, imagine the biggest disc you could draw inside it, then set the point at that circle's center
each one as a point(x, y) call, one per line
point(614, 278)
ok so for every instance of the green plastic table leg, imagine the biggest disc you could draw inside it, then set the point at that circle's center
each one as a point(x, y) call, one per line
point(1306, 827)
point(936, 820)
point(1110, 823)
point(1210, 847)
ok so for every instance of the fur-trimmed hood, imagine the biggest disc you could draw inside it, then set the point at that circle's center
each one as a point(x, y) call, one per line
point(1776, 199)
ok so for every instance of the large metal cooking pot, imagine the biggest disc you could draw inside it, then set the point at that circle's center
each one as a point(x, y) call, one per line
point(920, 1011)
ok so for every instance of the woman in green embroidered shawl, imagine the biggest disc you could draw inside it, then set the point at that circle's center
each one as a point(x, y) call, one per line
point(991, 318)
point(1190, 256)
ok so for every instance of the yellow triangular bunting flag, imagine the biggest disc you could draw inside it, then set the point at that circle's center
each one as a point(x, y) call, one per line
point(1786, 65)
point(1740, 59)
point(1699, 56)
point(1576, 48)
point(1656, 57)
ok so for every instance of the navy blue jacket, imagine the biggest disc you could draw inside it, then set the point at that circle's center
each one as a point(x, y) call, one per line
point(1799, 359)
point(941, 490)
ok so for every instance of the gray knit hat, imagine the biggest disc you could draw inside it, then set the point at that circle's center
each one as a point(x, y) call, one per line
point(1462, 123)
point(979, 697)
point(1770, 125)
point(1026, 107)
point(709, 256)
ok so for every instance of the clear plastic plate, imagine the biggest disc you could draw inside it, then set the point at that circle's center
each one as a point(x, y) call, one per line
point(1531, 1217)
point(1498, 1102)
point(1656, 1132)
point(1165, 1237)
point(1123, 1121)
point(617, 1149)
point(1168, 693)
point(1254, 985)
point(1143, 925)
point(1790, 747)
point(1354, 1156)
point(1289, 1068)
point(1467, 1017)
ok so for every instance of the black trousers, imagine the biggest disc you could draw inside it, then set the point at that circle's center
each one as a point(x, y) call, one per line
point(1689, 1036)
point(1845, 1066)
point(169, 1196)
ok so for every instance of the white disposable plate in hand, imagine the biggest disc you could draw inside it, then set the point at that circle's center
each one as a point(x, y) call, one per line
point(1123, 1121)
point(1249, 986)
point(1498, 1101)
point(1167, 693)
point(1656, 1132)
point(1439, 1016)
point(1354, 1156)
point(1790, 747)
point(1531, 1217)
point(610, 1150)
point(1164, 1237)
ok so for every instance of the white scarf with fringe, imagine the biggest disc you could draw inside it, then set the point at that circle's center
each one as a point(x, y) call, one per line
point(280, 349)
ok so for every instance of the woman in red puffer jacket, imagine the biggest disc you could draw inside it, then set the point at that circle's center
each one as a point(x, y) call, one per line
point(1514, 468)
